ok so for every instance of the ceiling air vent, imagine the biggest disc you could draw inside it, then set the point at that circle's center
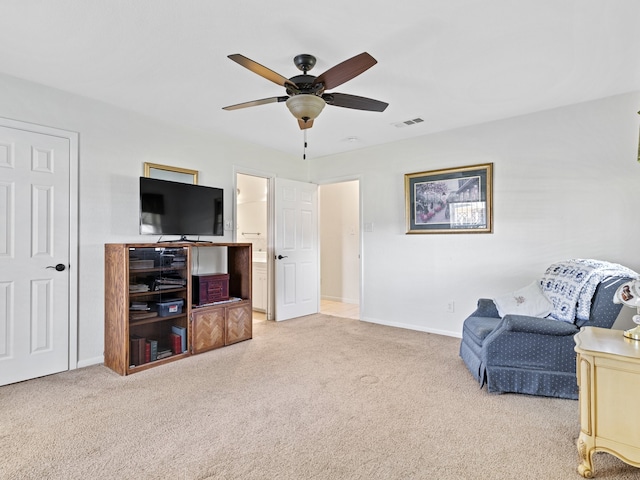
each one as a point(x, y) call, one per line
point(406, 123)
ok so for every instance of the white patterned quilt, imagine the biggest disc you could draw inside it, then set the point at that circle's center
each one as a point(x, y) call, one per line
point(570, 285)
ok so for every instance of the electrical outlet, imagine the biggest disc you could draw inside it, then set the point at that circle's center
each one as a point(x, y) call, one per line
point(451, 307)
point(228, 225)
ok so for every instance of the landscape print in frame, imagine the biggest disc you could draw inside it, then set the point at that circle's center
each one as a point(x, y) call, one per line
point(453, 200)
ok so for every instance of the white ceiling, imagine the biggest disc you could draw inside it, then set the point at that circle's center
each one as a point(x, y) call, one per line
point(450, 62)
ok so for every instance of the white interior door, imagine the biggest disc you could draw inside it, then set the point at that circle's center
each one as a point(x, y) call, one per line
point(296, 249)
point(34, 239)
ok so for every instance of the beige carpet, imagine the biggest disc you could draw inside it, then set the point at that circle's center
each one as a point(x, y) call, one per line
point(313, 398)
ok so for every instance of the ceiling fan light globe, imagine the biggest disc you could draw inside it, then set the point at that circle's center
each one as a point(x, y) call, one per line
point(305, 106)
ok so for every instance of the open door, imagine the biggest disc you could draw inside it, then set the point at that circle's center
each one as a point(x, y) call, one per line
point(296, 249)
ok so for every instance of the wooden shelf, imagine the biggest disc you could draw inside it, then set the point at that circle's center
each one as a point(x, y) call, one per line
point(157, 292)
point(144, 321)
point(155, 363)
point(218, 304)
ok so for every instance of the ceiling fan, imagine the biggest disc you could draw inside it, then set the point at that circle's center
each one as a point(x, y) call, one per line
point(306, 94)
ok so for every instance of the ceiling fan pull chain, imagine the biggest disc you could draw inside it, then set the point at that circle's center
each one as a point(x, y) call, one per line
point(304, 151)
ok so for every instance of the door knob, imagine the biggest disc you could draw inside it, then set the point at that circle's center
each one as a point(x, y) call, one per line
point(59, 267)
point(280, 257)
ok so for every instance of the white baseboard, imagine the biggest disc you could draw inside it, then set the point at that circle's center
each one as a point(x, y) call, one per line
point(416, 328)
point(340, 299)
point(90, 361)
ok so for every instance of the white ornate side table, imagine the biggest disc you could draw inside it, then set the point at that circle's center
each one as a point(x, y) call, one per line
point(608, 372)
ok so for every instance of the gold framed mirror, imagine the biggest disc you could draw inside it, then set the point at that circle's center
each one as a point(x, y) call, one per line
point(174, 174)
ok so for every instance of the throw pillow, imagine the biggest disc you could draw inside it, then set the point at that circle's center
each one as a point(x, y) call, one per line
point(528, 301)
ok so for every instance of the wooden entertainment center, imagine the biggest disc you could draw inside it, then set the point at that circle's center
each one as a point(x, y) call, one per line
point(151, 313)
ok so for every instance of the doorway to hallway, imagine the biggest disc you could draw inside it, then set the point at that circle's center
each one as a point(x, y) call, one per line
point(339, 238)
point(340, 267)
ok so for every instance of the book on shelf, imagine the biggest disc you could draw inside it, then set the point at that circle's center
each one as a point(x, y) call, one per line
point(164, 353)
point(136, 264)
point(173, 260)
point(147, 352)
point(166, 286)
point(137, 350)
point(138, 288)
point(182, 331)
point(176, 343)
point(141, 315)
point(153, 349)
point(139, 306)
point(171, 280)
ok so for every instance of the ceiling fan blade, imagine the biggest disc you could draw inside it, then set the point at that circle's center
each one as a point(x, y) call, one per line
point(346, 70)
point(304, 125)
point(261, 70)
point(255, 103)
point(353, 101)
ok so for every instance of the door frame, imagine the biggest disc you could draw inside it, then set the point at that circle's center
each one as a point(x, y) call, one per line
point(72, 138)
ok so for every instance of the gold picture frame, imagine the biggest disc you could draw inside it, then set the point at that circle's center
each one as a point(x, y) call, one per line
point(453, 200)
point(174, 174)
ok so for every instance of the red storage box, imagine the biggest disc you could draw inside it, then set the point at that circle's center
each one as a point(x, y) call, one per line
point(210, 288)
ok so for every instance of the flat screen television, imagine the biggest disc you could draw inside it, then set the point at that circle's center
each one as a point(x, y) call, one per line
point(174, 208)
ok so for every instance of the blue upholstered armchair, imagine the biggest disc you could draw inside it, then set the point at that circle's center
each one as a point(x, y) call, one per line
point(531, 355)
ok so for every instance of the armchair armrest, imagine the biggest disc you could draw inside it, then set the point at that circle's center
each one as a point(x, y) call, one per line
point(542, 326)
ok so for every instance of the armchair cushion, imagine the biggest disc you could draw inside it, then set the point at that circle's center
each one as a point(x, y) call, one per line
point(528, 301)
point(480, 328)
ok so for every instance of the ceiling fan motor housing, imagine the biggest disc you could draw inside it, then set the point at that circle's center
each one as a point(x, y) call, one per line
point(304, 84)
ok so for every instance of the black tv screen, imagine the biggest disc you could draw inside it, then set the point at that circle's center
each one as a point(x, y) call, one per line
point(173, 208)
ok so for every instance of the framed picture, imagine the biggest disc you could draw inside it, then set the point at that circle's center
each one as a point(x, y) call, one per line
point(175, 174)
point(453, 200)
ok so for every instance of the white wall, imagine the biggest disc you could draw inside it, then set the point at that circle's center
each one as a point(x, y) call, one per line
point(565, 186)
point(340, 241)
point(113, 146)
